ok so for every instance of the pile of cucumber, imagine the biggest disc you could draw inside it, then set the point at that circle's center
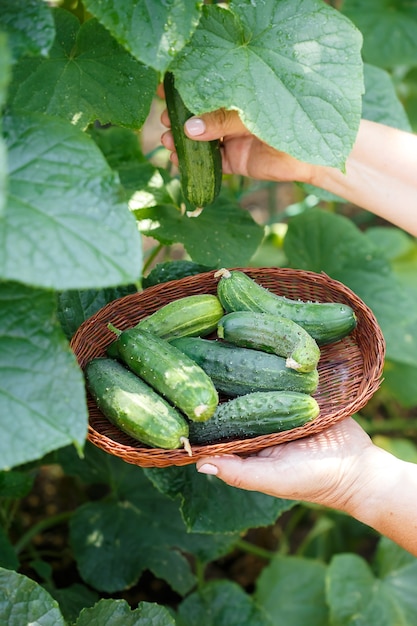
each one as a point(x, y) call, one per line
point(161, 379)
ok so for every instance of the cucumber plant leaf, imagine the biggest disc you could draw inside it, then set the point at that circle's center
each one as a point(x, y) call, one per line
point(221, 603)
point(152, 32)
point(46, 415)
point(388, 30)
point(380, 102)
point(5, 71)
point(119, 613)
point(87, 76)
point(23, 601)
point(64, 225)
point(293, 71)
point(29, 26)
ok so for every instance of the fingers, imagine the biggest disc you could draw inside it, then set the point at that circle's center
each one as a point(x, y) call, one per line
point(209, 126)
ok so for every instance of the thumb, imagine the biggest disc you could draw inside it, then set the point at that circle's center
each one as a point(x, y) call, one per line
point(209, 126)
point(250, 473)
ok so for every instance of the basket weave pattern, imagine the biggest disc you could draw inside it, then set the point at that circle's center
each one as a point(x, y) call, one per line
point(350, 370)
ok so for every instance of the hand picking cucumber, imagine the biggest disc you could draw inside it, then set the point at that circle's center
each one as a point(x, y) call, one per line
point(258, 413)
point(326, 322)
point(170, 372)
point(200, 162)
point(195, 315)
point(236, 371)
point(270, 333)
point(134, 407)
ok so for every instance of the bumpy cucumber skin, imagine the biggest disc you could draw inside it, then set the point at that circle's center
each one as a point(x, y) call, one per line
point(170, 372)
point(236, 371)
point(134, 407)
point(326, 322)
point(200, 162)
point(270, 333)
point(258, 413)
point(173, 270)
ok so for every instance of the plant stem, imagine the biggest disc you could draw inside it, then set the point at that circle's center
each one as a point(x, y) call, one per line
point(40, 527)
point(152, 256)
point(246, 546)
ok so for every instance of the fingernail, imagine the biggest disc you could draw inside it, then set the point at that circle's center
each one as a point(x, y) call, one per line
point(195, 126)
point(208, 468)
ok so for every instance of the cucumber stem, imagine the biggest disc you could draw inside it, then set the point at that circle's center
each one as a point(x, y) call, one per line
point(222, 273)
point(187, 446)
point(115, 330)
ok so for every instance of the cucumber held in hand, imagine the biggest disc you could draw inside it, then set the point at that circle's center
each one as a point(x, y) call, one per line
point(258, 413)
point(134, 407)
point(236, 371)
point(169, 371)
point(199, 162)
point(326, 322)
point(270, 333)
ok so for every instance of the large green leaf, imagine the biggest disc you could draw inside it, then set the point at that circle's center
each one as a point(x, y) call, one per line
point(23, 601)
point(293, 70)
point(64, 226)
point(210, 506)
point(321, 241)
point(221, 603)
point(291, 590)
point(153, 32)
point(87, 76)
point(119, 613)
point(42, 393)
point(213, 238)
point(29, 25)
point(380, 102)
point(388, 29)
point(5, 63)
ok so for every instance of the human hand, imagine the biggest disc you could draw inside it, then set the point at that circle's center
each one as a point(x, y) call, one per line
point(242, 152)
point(326, 468)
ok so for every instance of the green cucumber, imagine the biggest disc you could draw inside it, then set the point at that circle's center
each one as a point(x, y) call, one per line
point(195, 315)
point(173, 270)
point(134, 407)
point(199, 162)
point(326, 322)
point(236, 371)
point(270, 333)
point(257, 413)
point(170, 372)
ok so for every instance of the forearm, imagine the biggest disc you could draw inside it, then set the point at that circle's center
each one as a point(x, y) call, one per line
point(381, 175)
point(385, 497)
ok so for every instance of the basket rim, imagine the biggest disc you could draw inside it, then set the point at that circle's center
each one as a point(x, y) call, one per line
point(144, 456)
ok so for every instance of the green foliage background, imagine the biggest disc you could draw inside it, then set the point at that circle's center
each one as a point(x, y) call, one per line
point(85, 213)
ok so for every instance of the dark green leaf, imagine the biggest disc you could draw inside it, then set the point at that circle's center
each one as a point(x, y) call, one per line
point(400, 381)
point(64, 226)
point(321, 241)
point(173, 270)
point(213, 238)
point(388, 30)
point(74, 306)
point(119, 613)
point(380, 102)
point(23, 601)
point(29, 26)
point(268, 59)
point(73, 599)
point(86, 77)
point(42, 388)
point(8, 557)
point(221, 603)
point(5, 63)
point(291, 590)
point(152, 32)
point(210, 506)
point(15, 484)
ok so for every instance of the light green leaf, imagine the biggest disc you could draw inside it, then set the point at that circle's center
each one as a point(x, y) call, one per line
point(356, 596)
point(221, 603)
point(292, 70)
point(29, 25)
point(212, 238)
point(118, 613)
point(210, 506)
point(291, 590)
point(41, 386)
point(64, 226)
point(152, 32)
point(87, 76)
point(400, 381)
point(23, 601)
point(380, 102)
point(321, 241)
point(388, 30)
point(5, 64)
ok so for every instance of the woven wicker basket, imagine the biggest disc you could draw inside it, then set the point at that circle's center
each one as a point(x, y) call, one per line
point(349, 370)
